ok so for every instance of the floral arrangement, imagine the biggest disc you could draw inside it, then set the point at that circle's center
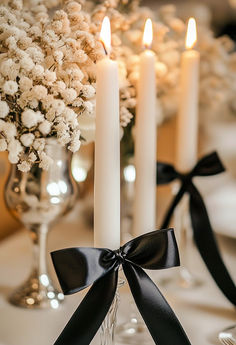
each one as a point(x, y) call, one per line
point(217, 67)
point(47, 79)
point(218, 58)
point(47, 70)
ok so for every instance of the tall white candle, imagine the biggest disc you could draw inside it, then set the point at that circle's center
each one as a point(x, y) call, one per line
point(107, 150)
point(187, 120)
point(145, 141)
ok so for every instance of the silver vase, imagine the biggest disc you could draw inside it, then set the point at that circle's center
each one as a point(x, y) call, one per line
point(38, 198)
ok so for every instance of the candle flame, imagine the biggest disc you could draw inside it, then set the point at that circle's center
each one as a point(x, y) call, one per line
point(191, 36)
point(148, 33)
point(105, 35)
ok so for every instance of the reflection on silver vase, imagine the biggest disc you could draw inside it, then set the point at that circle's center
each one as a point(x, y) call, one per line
point(38, 198)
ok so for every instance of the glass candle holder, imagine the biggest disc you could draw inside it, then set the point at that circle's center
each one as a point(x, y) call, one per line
point(107, 329)
point(184, 278)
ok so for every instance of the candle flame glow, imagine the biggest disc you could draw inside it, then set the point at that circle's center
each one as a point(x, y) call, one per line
point(191, 36)
point(148, 33)
point(105, 35)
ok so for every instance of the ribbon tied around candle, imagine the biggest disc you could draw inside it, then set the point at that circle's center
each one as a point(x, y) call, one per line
point(202, 229)
point(77, 268)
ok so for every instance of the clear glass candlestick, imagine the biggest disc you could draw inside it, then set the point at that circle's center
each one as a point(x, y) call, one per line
point(185, 277)
point(182, 225)
point(228, 335)
point(133, 331)
point(107, 330)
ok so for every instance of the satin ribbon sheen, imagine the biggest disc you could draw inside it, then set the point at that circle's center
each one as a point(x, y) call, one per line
point(202, 229)
point(77, 268)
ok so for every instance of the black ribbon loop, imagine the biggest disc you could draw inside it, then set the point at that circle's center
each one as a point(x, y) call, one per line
point(202, 229)
point(77, 268)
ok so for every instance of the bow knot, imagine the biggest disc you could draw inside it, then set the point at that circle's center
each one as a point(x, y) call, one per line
point(185, 178)
point(78, 268)
point(109, 257)
point(120, 256)
point(202, 229)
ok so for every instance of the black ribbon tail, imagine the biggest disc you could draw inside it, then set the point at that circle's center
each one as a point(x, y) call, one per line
point(160, 319)
point(207, 245)
point(88, 317)
point(172, 207)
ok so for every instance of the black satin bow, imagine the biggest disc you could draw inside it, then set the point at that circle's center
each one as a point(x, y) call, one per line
point(202, 230)
point(78, 268)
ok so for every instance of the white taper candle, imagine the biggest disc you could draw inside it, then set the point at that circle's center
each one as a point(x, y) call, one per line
point(187, 119)
point(107, 153)
point(145, 142)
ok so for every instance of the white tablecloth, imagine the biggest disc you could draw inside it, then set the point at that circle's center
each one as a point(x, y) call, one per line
point(203, 311)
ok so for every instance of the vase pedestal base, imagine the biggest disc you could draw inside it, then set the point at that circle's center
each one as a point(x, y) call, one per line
point(133, 332)
point(183, 279)
point(37, 292)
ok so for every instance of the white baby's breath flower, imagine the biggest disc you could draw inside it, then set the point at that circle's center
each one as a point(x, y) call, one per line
point(75, 73)
point(45, 127)
point(45, 161)
point(25, 83)
point(73, 6)
point(24, 42)
point(35, 31)
point(77, 103)
point(13, 158)
point(130, 103)
point(32, 157)
point(14, 149)
point(27, 63)
point(57, 26)
point(88, 91)
point(6, 66)
point(161, 69)
point(39, 144)
point(62, 129)
point(69, 95)
point(10, 87)
point(70, 117)
point(3, 145)
point(27, 139)
point(33, 103)
point(58, 56)
point(63, 138)
point(49, 77)
point(170, 57)
point(88, 108)
point(11, 43)
point(9, 129)
point(36, 54)
point(58, 105)
point(59, 86)
point(4, 109)
point(24, 166)
point(77, 85)
point(37, 71)
point(17, 5)
point(177, 25)
point(39, 92)
point(31, 118)
point(75, 141)
point(80, 56)
point(125, 116)
point(61, 126)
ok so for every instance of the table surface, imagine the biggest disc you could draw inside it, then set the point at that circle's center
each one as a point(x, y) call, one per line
point(203, 311)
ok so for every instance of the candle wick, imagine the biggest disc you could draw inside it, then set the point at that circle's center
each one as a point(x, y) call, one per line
point(104, 47)
point(146, 46)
